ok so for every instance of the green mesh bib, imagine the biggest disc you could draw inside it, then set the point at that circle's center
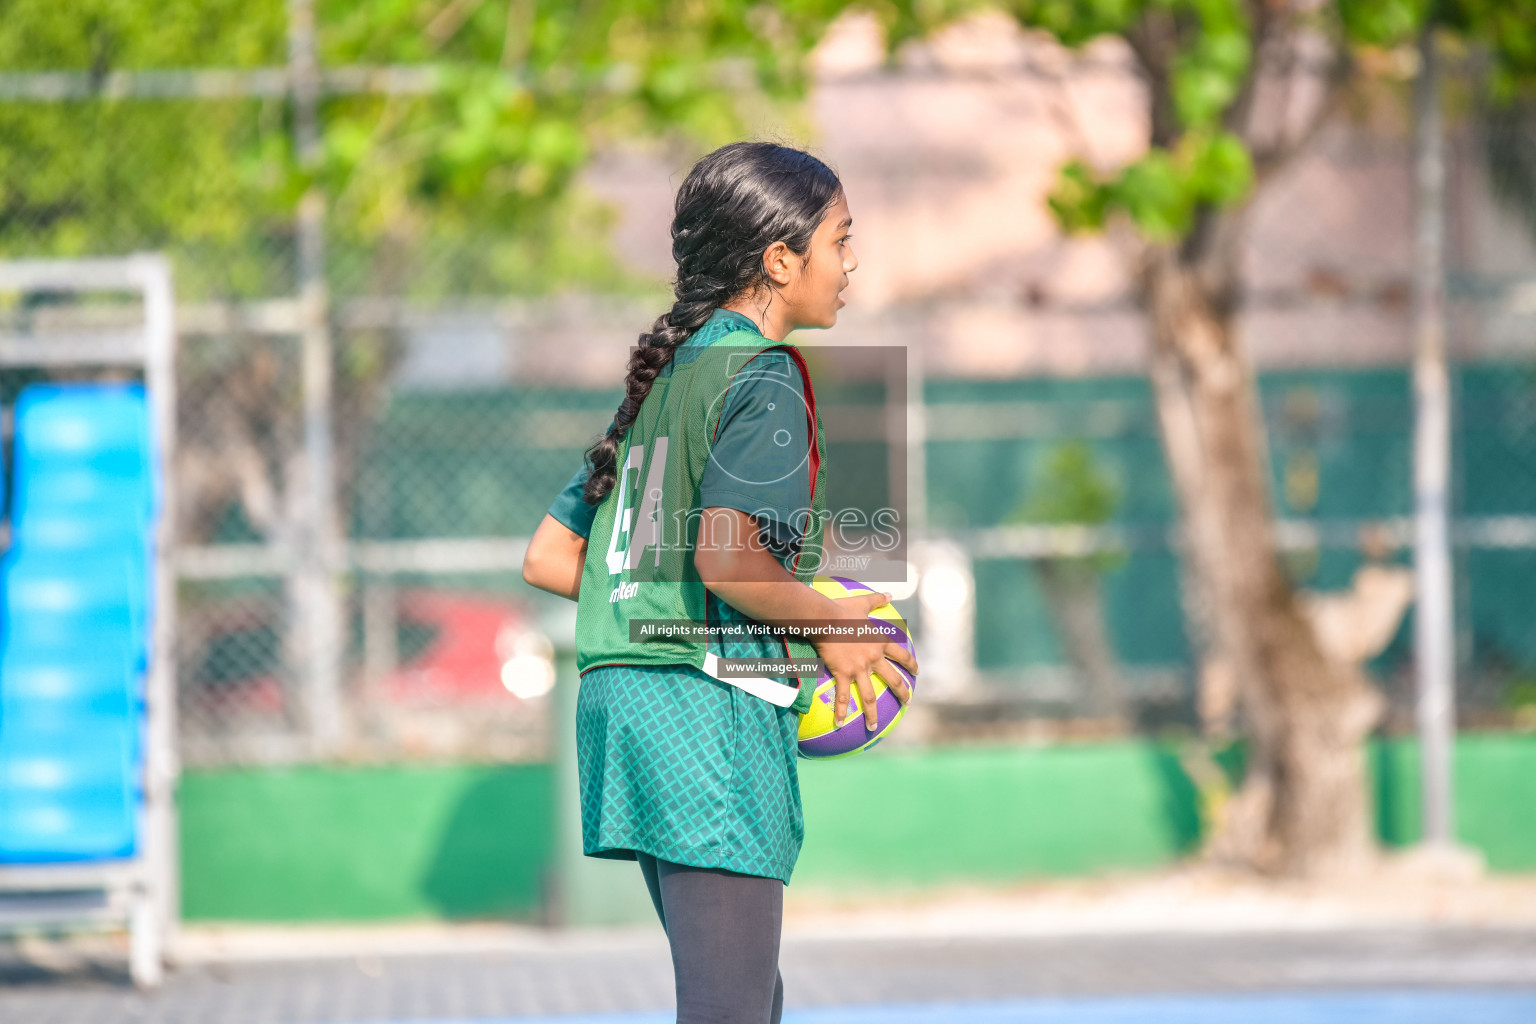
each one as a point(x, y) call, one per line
point(640, 550)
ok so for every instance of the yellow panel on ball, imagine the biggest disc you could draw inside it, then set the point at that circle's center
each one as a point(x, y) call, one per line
point(819, 738)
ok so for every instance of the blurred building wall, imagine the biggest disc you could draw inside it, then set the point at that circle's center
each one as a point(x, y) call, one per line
point(948, 159)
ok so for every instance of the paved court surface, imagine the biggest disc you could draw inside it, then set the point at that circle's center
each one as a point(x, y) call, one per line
point(1419, 975)
point(1389, 1007)
point(1315, 1008)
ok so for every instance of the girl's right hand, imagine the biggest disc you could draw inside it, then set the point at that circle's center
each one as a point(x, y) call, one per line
point(850, 662)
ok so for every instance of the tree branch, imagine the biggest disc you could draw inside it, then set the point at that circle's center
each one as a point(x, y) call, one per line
point(1154, 41)
point(514, 46)
point(1267, 162)
point(450, 19)
point(1238, 117)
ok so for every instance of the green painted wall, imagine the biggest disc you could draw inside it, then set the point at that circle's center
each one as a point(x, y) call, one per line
point(913, 818)
point(465, 841)
point(365, 843)
point(1495, 785)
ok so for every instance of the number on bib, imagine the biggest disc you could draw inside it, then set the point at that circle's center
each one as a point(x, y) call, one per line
point(638, 527)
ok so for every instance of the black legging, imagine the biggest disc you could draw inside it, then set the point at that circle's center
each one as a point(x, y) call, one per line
point(723, 928)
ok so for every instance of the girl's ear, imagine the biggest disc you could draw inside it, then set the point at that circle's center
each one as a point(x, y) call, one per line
point(776, 263)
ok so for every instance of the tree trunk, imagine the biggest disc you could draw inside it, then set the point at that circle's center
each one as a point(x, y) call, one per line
point(1303, 807)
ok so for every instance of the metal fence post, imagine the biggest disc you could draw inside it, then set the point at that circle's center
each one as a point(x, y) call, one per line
point(162, 763)
point(318, 561)
point(1431, 463)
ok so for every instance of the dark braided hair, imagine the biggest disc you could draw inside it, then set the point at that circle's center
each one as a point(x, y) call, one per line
point(734, 204)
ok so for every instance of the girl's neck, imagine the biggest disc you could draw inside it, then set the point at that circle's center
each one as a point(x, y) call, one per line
point(773, 321)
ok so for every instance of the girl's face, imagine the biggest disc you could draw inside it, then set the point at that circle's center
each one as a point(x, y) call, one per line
point(811, 292)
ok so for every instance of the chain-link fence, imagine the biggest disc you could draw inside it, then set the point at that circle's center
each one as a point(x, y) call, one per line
point(437, 487)
point(450, 416)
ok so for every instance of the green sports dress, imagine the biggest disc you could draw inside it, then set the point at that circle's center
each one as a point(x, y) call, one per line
point(671, 761)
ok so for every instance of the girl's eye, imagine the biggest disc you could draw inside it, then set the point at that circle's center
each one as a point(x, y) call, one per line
point(844, 239)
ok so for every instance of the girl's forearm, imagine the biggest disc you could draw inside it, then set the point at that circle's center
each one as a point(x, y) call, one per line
point(555, 558)
point(770, 594)
point(731, 561)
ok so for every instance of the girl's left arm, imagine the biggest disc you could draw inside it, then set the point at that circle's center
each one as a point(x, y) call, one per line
point(555, 557)
point(558, 549)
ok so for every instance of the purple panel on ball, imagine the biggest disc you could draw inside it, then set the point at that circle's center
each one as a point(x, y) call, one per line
point(853, 733)
point(838, 741)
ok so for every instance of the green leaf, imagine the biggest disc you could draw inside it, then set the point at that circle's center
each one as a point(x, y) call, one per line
point(1201, 93)
point(1222, 170)
point(1156, 195)
point(1070, 486)
point(1078, 200)
point(1382, 22)
point(1075, 22)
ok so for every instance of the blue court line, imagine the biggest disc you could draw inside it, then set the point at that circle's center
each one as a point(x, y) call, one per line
point(1396, 1006)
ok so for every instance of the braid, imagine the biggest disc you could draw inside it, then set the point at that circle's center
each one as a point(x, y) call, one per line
point(655, 351)
point(735, 202)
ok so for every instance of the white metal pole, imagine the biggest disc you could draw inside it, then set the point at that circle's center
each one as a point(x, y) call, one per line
point(161, 839)
point(1434, 638)
point(319, 562)
point(917, 446)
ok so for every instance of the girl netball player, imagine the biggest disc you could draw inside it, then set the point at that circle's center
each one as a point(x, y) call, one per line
point(682, 768)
